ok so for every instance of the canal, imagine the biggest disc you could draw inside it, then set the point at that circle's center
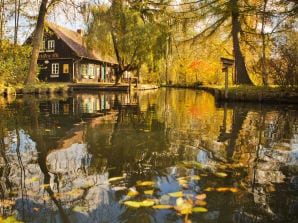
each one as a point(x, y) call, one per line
point(160, 156)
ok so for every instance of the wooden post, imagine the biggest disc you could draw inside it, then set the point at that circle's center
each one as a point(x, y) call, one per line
point(226, 82)
point(226, 64)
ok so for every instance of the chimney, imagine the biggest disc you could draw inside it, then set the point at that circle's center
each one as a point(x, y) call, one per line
point(80, 31)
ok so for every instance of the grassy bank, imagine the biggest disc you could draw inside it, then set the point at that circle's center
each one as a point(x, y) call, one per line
point(40, 88)
point(244, 93)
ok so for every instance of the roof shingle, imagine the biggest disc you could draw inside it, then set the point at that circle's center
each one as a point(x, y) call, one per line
point(76, 42)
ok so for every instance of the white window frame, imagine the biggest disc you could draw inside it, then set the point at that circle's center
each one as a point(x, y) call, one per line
point(55, 70)
point(51, 45)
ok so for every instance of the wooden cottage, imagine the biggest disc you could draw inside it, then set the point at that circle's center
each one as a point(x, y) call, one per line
point(64, 57)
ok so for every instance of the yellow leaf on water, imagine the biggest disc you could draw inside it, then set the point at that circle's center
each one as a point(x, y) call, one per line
point(234, 190)
point(33, 179)
point(223, 167)
point(10, 219)
point(134, 204)
point(195, 177)
point(115, 179)
point(76, 192)
point(221, 174)
point(147, 203)
point(132, 193)
point(201, 196)
point(145, 183)
point(162, 206)
point(271, 188)
point(149, 192)
point(47, 198)
point(80, 209)
point(208, 189)
point(183, 206)
point(222, 189)
point(182, 182)
point(46, 185)
point(204, 175)
point(187, 210)
point(176, 194)
point(59, 195)
point(201, 203)
point(36, 209)
point(199, 209)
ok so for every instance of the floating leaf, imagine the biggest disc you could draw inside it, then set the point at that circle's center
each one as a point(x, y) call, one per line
point(149, 192)
point(208, 189)
point(271, 188)
point(145, 183)
point(195, 177)
point(162, 206)
point(132, 193)
point(36, 209)
point(199, 209)
point(33, 179)
point(10, 219)
point(201, 196)
point(46, 185)
point(147, 203)
point(176, 194)
point(201, 203)
point(76, 192)
point(192, 164)
point(204, 175)
point(59, 195)
point(223, 167)
point(221, 174)
point(80, 209)
point(113, 179)
point(234, 190)
point(134, 204)
point(46, 198)
point(222, 189)
point(183, 206)
point(182, 182)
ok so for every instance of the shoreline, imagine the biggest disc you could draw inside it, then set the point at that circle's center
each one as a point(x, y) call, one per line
point(235, 94)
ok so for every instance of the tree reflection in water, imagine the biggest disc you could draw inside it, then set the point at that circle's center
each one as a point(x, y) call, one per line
point(58, 154)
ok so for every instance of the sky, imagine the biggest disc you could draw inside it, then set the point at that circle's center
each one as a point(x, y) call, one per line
point(62, 15)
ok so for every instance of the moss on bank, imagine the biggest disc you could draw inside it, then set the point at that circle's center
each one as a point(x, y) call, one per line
point(244, 93)
point(40, 88)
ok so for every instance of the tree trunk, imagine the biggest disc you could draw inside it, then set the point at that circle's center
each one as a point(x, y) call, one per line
point(36, 41)
point(263, 59)
point(241, 75)
point(2, 22)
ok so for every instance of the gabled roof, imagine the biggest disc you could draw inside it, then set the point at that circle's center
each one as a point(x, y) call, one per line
point(76, 42)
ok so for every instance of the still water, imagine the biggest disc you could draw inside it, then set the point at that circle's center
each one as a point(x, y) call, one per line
point(162, 156)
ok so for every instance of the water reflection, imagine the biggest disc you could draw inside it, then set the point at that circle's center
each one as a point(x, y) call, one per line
point(58, 154)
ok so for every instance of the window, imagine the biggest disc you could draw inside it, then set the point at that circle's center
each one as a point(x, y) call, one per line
point(91, 71)
point(65, 68)
point(51, 45)
point(43, 46)
point(55, 70)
